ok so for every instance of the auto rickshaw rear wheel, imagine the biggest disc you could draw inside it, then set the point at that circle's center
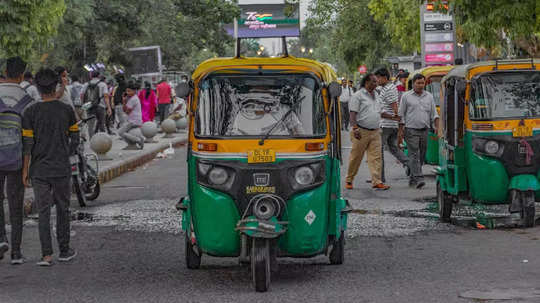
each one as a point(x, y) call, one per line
point(260, 264)
point(445, 204)
point(337, 254)
point(528, 212)
point(193, 260)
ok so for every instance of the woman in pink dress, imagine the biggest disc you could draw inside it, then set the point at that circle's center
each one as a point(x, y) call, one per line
point(148, 102)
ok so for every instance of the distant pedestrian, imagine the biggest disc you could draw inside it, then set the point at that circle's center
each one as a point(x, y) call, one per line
point(365, 136)
point(148, 102)
point(402, 84)
point(164, 94)
point(63, 90)
point(419, 114)
point(132, 108)
point(346, 93)
point(96, 92)
point(389, 99)
point(51, 135)
point(351, 85)
point(14, 104)
point(118, 92)
point(29, 87)
point(75, 89)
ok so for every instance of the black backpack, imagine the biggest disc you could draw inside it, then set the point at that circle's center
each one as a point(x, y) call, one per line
point(92, 94)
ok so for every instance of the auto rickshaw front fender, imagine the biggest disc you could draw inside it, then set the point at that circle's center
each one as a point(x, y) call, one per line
point(525, 183)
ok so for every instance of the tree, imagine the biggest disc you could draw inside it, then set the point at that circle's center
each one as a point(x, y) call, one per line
point(27, 24)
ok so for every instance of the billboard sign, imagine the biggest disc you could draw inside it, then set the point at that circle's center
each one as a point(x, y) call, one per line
point(433, 27)
point(267, 21)
point(439, 47)
point(440, 58)
point(437, 34)
point(145, 61)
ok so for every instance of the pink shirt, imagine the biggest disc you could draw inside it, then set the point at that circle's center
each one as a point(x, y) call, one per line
point(164, 92)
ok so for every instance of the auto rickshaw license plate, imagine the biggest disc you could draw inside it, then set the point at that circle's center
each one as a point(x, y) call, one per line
point(522, 131)
point(261, 156)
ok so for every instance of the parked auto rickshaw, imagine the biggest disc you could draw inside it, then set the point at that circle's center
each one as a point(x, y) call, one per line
point(264, 163)
point(490, 137)
point(434, 75)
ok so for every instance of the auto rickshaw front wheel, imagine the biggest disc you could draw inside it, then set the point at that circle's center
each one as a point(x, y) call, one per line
point(260, 264)
point(193, 260)
point(445, 204)
point(528, 211)
point(337, 254)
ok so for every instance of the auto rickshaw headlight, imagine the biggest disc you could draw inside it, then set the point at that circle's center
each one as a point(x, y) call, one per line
point(304, 175)
point(218, 176)
point(491, 147)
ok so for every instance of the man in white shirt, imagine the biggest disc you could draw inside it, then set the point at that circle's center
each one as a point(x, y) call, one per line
point(344, 99)
point(365, 136)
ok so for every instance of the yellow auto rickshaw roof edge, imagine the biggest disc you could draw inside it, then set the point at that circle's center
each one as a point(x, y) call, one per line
point(326, 72)
point(430, 70)
point(462, 71)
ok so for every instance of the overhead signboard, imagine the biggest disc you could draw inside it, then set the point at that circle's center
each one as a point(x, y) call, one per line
point(267, 20)
point(438, 34)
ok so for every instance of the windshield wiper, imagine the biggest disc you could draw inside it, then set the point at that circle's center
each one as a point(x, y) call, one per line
point(269, 132)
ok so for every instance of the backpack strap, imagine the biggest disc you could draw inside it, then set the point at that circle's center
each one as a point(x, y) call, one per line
point(3, 106)
point(27, 86)
point(19, 107)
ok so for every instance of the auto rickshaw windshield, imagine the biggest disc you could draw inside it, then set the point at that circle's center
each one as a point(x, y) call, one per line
point(235, 105)
point(505, 95)
point(434, 87)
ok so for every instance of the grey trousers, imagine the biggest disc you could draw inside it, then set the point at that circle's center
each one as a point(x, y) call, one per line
point(15, 197)
point(123, 132)
point(120, 115)
point(97, 124)
point(344, 115)
point(48, 191)
point(416, 145)
point(389, 139)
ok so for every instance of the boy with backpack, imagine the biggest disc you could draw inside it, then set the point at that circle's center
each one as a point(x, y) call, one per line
point(51, 135)
point(14, 102)
point(97, 93)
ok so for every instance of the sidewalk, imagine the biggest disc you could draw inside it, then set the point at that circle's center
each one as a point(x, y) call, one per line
point(121, 161)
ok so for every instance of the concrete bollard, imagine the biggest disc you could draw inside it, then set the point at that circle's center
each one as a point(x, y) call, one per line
point(149, 131)
point(181, 124)
point(101, 144)
point(132, 145)
point(169, 127)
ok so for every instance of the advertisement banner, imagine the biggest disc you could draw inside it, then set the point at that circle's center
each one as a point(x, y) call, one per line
point(443, 58)
point(267, 21)
point(439, 37)
point(439, 47)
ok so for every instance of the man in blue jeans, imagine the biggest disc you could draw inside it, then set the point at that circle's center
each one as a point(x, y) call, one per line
point(51, 135)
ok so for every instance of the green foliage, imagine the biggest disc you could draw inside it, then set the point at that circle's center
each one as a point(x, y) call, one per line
point(351, 32)
point(25, 25)
point(401, 20)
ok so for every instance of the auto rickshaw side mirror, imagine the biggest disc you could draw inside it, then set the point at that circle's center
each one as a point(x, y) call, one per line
point(184, 89)
point(334, 90)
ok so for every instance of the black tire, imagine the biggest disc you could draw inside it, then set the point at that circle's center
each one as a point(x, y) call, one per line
point(193, 260)
point(337, 254)
point(78, 191)
point(95, 193)
point(445, 204)
point(528, 212)
point(260, 264)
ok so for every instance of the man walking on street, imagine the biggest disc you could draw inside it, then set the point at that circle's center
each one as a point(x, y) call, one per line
point(14, 102)
point(419, 114)
point(390, 119)
point(346, 94)
point(51, 135)
point(365, 135)
point(96, 92)
point(164, 92)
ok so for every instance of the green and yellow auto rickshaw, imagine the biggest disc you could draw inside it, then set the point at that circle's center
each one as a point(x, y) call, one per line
point(490, 137)
point(434, 75)
point(264, 163)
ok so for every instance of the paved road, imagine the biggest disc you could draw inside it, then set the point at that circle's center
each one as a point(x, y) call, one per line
point(130, 251)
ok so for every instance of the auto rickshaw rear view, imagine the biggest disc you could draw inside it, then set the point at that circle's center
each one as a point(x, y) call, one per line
point(264, 164)
point(490, 137)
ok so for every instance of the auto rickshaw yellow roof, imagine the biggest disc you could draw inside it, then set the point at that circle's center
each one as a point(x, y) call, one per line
point(324, 70)
point(427, 71)
point(462, 71)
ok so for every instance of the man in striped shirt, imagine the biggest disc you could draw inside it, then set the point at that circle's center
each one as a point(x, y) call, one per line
point(389, 100)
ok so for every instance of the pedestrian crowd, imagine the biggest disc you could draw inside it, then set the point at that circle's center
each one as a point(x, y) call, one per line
point(383, 115)
point(39, 130)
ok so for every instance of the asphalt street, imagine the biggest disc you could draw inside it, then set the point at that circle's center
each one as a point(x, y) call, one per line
point(131, 250)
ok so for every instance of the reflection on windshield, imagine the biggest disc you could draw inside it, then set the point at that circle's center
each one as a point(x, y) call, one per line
point(237, 105)
point(506, 95)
